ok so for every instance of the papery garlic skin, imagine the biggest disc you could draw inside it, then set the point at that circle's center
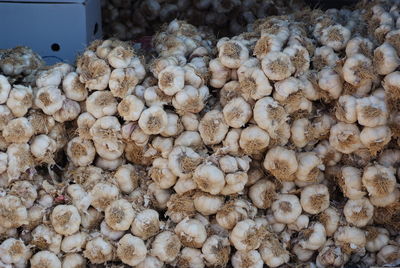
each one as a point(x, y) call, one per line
point(301, 223)
point(235, 183)
point(330, 83)
point(272, 117)
point(346, 109)
point(234, 211)
point(42, 147)
point(383, 201)
point(357, 69)
point(46, 239)
point(254, 140)
point(219, 73)
point(301, 253)
point(309, 168)
point(120, 56)
point(375, 138)
point(122, 82)
point(182, 161)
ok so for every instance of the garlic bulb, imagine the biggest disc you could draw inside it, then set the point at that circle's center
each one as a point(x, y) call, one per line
point(286, 208)
point(277, 65)
point(216, 250)
point(166, 246)
point(281, 162)
point(119, 215)
point(314, 198)
point(74, 243)
point(251, 259)
point(212, 127)
point(247, 235)
point(273, 252)
point(146, 224)
point(351, 239)
point(378, 180)
point(350, 182)
point(191, 232)
point(65, 219)
point(98, 250)
point(209, 178)
point(377, 238)
point(45, 259)
point(358, 212)
point(14, 251)
point(131, 250)
point(262, 193)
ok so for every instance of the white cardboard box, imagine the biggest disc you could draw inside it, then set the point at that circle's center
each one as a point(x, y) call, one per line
point(57, 30)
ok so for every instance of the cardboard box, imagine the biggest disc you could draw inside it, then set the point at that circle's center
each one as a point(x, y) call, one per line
point(57, 30)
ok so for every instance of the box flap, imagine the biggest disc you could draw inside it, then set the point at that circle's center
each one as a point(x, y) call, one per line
point(45, 1)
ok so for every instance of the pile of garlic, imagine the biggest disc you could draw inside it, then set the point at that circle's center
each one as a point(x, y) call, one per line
point(277, 147)
point(130, 19)
point(20, 64)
